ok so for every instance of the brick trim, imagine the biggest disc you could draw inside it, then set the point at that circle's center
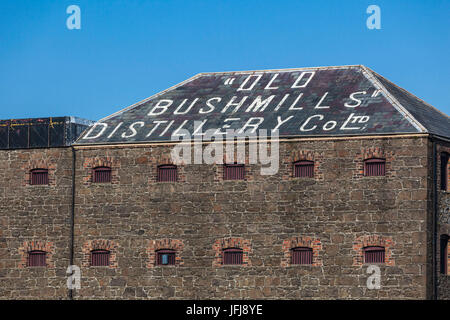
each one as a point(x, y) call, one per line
point(373, 152)
point(28, 246)
point(91, 163)
point(232, 242)
point(43, 163)
point(302, 241)
point(99, 244)
point(372, 240)
point(165, 159)
point(172, 244)
point(299, 155)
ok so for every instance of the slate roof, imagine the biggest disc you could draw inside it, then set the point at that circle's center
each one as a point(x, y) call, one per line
point(303, 102)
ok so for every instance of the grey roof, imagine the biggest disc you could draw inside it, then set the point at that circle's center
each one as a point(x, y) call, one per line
point(303, 102)
point(434, 121)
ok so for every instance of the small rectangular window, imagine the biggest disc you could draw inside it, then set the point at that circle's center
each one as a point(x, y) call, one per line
point(39, 177)
point(167, 173)
point(301, 255)
point(304, 169)
point(374, 254)
point(374, 167)
point(444, 170)
point(165, 257)
point(100, 258)
point(102, 175)
point(37, 258)
point(232, 256)
point(444, 254)
point(234, 172)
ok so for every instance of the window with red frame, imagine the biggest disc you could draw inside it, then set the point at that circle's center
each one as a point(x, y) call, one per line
point(167, 173)
point(374, 254)
point(234, 172)
point(233, 256)
point(374, 167)
point(100, 258)
point(304, 169)
point(39, 177)
point(101, 175)
point(36, 258)
point(165, 257)
point(301, 255)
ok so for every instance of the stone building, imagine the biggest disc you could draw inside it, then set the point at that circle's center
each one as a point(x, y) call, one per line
point(360, 188)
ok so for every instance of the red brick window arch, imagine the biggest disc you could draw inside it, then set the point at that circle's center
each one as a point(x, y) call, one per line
point(100, 258)
point(233, 256)
point(373, 248)
point(101, 174)
point(302, 250)
point(39, 176)
point(232, 251)
point(37, 258)
point(304, 169)
point(234, 171)
point(374, 167)
point(301, 255)
point(165, 257)
point(167, 173)
point(374, 254)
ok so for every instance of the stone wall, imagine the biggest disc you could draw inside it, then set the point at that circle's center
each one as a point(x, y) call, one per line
point(34, 217)
point(443, 223)
point(337, 210)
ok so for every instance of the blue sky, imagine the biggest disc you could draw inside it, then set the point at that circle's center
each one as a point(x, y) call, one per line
point(128, 50)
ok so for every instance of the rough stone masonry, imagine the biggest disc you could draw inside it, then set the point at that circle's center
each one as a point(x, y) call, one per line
point(336, 213)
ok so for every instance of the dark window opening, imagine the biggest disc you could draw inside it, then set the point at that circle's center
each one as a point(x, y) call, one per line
point(301, 255)
point(101, 175)
point(167, 173)
point(444, 170)
point(234, 172)
point(232, 256)
point(304, 169)
point(374, 167)
point(374, 254)
point(444, 253)
point(165, 257)
point(39, 177)
point(100, 258)
point(36, 258)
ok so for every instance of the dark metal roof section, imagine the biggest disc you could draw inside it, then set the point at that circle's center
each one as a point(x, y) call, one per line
point(323, 101)
point(433, 120)
point(41, 132)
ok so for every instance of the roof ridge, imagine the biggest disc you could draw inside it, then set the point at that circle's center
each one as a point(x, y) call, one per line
point(395, 103)
point(281, 70)
point(409, 93)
